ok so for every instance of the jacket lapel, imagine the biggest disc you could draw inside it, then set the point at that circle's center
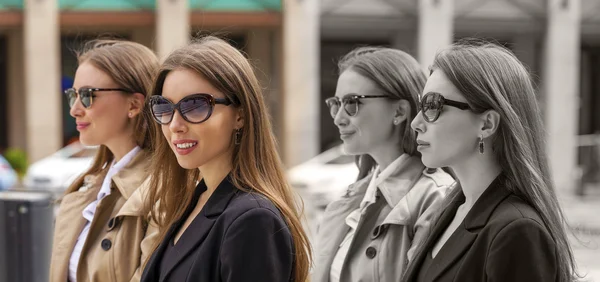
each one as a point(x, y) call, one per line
point(464, 236)
point(68, 226)
point(196, 232)
point(333, 227)
point(439, 228)
point(151, 272)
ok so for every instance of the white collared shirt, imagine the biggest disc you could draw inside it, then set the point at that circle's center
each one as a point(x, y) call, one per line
point(90, 210)
point(353, 218)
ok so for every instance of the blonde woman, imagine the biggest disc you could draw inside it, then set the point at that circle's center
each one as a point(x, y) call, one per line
point(100, 232)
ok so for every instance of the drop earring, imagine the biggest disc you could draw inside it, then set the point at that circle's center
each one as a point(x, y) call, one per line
point(238, 136)
point(481, 144)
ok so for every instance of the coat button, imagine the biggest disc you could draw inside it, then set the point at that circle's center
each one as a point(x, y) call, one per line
point(371, 252)
point(106, 244)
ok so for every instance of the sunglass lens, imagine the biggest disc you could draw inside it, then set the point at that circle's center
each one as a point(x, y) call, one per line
point(162, 110)
point(195, 109)
point(351, 106)
point(334, 106)
point(71, 96)
point(86, 97)
point(432, 105)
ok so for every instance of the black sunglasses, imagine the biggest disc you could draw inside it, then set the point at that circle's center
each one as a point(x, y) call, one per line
point(195, 108)
point(350, 103)
point(432, 104)
point(86, 95)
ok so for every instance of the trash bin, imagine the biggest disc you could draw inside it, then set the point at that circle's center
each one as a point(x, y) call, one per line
point(26, 228)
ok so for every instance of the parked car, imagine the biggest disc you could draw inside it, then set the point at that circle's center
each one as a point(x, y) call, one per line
point(8, 176)
point(323, 178)
point(56, 172)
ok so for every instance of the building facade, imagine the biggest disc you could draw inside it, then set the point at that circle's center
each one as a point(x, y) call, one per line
point(295, 45)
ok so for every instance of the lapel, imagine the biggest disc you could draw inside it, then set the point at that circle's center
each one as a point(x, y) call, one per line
point(69, 224)
point(195, 234)
point(129, 178)
point(439, 228)
point(465, 234)
point(333, 227)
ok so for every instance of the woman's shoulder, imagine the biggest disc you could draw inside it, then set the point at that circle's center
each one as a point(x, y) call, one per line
point(514, 208)
point(245, 202)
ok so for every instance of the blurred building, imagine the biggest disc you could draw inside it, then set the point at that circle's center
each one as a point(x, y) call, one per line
point(38, 39)
point(295, 44)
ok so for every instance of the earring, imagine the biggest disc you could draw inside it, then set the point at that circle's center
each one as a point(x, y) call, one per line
point(130, 114)
point(396, 122)
point(238, 136)
point(481, 145)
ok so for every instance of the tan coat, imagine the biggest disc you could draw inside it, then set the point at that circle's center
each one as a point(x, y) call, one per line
point(120, 237)
point(382, 244)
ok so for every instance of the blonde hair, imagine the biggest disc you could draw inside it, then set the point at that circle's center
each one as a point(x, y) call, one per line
point(256, 162)
point(131, 66)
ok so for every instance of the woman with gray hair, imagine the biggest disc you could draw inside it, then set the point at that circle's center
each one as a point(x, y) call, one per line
point(367, 235)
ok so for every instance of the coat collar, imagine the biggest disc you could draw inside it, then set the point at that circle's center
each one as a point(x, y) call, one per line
point(395, 186)
point(215, 206)
point(129, 178)
point(465, 234)
point(334, 228)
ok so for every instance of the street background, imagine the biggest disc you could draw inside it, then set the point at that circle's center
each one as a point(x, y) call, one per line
point(295, 45)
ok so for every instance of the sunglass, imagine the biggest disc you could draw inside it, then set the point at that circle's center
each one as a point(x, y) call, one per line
point(86, 95)
point(350, 103)
point(195, 108)
point(432, 104)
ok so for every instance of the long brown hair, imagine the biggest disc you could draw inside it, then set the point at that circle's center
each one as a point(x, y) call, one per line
point(491, 77)
point(131, 66)
point(256, 165)
point(400, 77)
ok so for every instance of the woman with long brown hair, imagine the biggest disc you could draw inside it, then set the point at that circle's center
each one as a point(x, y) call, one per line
point(502, 222)
point(225, 211)
point(100, 233)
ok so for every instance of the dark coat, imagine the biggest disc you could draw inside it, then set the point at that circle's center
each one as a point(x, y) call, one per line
point(502, 238)
point(238, 236)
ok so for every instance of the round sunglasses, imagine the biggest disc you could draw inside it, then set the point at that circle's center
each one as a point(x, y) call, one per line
point(86, 95)
point(349, 102)
point(195, 108)
point(432, 104)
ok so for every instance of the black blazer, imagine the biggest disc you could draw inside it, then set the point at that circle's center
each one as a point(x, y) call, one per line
point(501, 239)
point(239, 237)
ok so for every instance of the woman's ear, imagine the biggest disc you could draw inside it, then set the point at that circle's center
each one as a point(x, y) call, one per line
point(402, 112)
point(490, 122)
point(239, 118)
point(136, 104)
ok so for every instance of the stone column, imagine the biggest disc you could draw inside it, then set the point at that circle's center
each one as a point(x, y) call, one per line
point(43, 107)
point(436, 27)
point(172, 25)
point(561, 86)
point(301, 48)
